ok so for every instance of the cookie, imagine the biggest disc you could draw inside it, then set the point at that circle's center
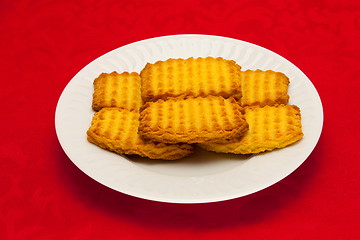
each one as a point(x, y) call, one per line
point(192, 120)
point(120, 90)
point(194, 77)
point(270, 127)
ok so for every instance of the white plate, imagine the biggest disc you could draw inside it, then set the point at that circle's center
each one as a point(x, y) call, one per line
point(203, 177)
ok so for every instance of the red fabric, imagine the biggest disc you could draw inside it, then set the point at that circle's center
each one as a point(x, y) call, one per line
point(45, 196)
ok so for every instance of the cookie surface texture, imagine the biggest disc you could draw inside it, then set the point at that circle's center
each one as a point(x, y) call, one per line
point(270, 127)
point(264, 88)
point(192, 120)
point(196, 77)
point(116, 130)
point(121, 90)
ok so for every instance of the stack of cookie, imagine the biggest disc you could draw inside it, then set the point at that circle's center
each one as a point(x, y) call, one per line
point(114, 127)
point(177, 103)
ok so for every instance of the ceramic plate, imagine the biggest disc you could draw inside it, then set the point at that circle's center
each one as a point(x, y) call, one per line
point(203, 177)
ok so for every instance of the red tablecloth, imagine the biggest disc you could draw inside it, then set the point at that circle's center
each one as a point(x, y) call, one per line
point(45, 196)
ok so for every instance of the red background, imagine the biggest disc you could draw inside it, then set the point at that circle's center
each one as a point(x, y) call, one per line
point(43, 195)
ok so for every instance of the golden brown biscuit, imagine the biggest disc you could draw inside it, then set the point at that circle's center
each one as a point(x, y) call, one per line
point(192, 120)
point(264, 88)
point(270, 127)
point(116, 129)
point(198, 77)
point(121, 90)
